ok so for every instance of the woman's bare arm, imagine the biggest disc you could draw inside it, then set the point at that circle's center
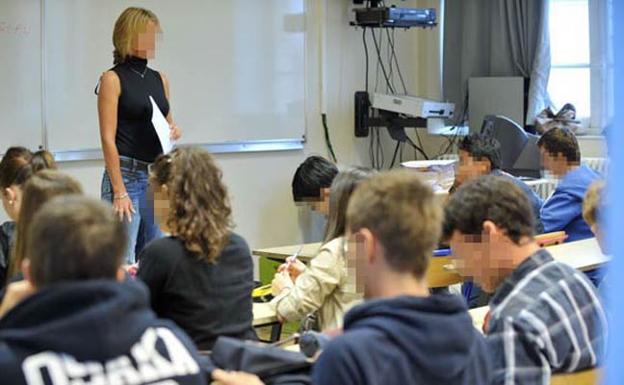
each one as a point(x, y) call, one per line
point(176, 133)
point(108, 99)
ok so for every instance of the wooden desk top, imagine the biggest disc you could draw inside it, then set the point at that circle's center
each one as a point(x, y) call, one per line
point(308, 251)
point(263, 314)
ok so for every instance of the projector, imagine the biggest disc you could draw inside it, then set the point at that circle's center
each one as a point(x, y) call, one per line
point(390, 17)
point(414, 106)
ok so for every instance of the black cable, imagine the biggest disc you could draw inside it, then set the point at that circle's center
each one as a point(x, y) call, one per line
point(411, 142)
point(381, 159)
point(389, 53)
point(420, 142)
point(383, 67)
point(366, 54)
point(377, 72)
point(327, 139)
point(452, 139)
point(396, 60)
point(370, 150)
point(396, 151)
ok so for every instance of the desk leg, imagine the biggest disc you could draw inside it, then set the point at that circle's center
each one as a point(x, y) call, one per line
point(276, 332)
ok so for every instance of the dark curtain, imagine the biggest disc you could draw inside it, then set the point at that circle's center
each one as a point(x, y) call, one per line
point(496, 38)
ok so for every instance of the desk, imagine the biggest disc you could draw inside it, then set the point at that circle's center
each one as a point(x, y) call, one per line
point(308, 251)
point(436, 274)
point(582, 255)
point(263, 315)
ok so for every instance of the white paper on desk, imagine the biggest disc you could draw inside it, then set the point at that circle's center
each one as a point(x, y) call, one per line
point(161, 125)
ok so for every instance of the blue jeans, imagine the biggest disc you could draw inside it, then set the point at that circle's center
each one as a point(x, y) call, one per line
point(143, 227)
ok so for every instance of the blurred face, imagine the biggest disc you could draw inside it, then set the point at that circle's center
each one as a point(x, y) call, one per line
point(12, 201)
point(161, 206)
point(144, 44)
point(481, 257)
point(470, 168)
point(556, 164)
point(359, 252)
point(322, 204)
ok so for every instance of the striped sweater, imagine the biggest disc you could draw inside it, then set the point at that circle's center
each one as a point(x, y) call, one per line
point(546, 317)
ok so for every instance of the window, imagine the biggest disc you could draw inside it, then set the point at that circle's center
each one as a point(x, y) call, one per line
point(570, 75)
point(581, 60)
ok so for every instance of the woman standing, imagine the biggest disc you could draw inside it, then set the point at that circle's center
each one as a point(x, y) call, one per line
point(129, 140)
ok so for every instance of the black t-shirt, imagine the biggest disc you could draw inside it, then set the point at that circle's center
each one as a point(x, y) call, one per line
point(136, 136)
point(205, 300)
point(7, 238)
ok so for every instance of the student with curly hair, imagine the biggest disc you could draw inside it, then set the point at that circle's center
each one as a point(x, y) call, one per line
point(201, 276)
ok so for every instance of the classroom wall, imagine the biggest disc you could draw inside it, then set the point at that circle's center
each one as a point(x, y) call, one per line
point(259, 183)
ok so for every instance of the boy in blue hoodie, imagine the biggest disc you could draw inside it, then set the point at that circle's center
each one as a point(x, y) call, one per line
point(74, 320)
point(563, 211)
point(401, 334)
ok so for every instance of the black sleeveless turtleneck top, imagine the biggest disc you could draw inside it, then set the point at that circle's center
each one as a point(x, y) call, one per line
point(136, 136)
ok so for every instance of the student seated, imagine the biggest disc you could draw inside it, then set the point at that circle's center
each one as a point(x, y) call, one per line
point(479, 154)
point(545, 317)
point(201, 276)
point(563, 210)
point(39, 189)
point(76, 322)
point(402, 334)
point(310, 190)
point(593, 210)
point(17, 165)
point(325, 285)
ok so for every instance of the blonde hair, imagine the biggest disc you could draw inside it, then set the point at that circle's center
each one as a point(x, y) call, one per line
point(592, 202)
point(402, 212)
point(40, 188)
point(130, 23)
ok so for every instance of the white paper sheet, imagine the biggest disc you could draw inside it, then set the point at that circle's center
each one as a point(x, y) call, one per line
point(162, 128)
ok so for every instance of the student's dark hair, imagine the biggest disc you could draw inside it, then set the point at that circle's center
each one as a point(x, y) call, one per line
point(402, 212)
point(480, 147)
point(200, 212)
point(40, 188)
point(561, 141)
point(19, 163)
point(74, 238)
point(492, 198)
point(314, 174)
point(341, 190)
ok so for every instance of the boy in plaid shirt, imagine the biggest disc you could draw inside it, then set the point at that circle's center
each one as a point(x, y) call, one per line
point(545, 317)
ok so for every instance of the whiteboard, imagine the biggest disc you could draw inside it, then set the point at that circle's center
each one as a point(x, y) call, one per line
point(20, 74)
point(236, 68)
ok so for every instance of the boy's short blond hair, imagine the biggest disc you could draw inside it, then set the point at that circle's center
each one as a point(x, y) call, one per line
point(592, 202)
point(402, 212)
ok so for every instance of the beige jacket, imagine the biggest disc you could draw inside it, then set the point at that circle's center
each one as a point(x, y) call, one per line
point(324, 286)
